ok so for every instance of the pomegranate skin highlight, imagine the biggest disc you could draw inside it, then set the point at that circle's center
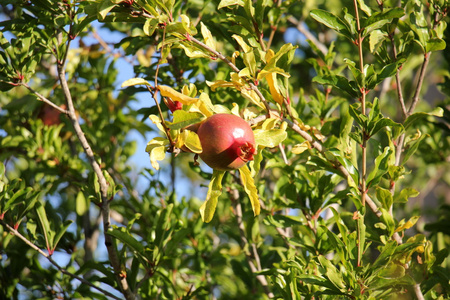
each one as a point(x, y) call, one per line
point(227, 140)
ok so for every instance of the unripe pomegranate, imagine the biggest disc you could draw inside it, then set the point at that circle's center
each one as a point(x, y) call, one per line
point(227, 140)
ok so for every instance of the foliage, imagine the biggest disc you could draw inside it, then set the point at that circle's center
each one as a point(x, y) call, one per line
point(347, 196)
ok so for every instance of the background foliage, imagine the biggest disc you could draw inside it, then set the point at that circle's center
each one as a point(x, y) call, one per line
point(350, 101)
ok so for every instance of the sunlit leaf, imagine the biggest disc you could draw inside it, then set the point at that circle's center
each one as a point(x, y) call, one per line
point(182, 119)
point(167, 91)
point(269, 138)
point(156, 148)
point(135, 81)
point(300, 148)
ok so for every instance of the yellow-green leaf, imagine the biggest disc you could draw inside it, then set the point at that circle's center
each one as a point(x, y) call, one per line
point(250, 189)
point(246, 48)
point(300, 148)
point(207, 36)
point(192, 141)
point(182, 119)
point(252, 97)
point(205, 105)
point(156, 148)
point(167, 91)
point(157, 121)
point(274, 88)
point(269, 138)
point(135, 81)
point(214, 191)
point(406, 225)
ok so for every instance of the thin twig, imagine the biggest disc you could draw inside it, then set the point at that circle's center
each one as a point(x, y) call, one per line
point(44, 99)
point(401, 100)
point(50, 259)
point(415, 100)
point(105, 208)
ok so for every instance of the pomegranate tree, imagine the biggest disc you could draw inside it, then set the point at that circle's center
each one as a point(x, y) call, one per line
point(227, 140)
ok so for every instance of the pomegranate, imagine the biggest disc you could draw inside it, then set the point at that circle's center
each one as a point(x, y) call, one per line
point(227, 140)
point(50, 115)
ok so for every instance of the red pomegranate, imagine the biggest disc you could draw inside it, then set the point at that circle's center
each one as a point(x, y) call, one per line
point(227, 140)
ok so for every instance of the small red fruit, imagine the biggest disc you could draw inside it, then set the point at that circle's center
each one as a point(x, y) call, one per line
point(50, 115)
point(227, 140)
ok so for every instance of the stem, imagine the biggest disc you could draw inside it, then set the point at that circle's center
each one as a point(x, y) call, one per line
point(363, 107)
point(365, 136)
point(50, 259)
point(105, 208)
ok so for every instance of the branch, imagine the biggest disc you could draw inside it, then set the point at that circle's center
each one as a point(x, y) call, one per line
point(50, 259)
point(415, 100)
point(244, 242)
point(418, 292)
point(105, 208)
point(45, 100)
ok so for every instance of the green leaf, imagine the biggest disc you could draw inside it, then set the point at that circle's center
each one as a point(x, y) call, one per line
point(392, 271)
point(385, 197)
point(282, 221)
point(45, 226)
point(388, 220)
point(106, 6)
point(150, 26)
point(385, 254)
point(163, 228)
point(379, 19)
point(405, 194)
point(339, 82)
point(438, 112)
point(380, 168)
point(331, 21)
point(182, 119)
point(361, 233)
point(214, 191)
point(226, 3)
point(250, 188)
point(332, 273)
point(412, 147)
point(61, 232)
point(269, 138)
point(129, 241)
point(358, 116)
